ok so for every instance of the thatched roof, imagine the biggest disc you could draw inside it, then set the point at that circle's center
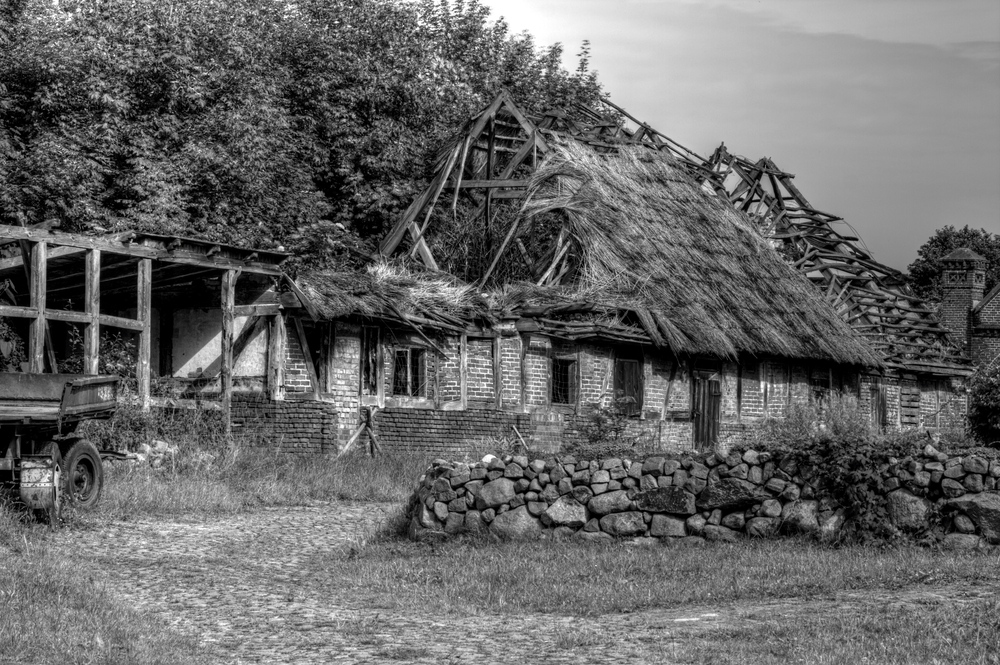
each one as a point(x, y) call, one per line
point(692, 269)
point(389, 291)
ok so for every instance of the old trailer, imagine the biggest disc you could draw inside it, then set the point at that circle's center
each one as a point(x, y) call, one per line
point(41, 455)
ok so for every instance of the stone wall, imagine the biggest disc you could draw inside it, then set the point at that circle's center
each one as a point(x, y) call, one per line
point(950, 499)
point(294, 426)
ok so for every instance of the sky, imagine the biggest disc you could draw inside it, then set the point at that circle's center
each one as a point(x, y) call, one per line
point(886, 111)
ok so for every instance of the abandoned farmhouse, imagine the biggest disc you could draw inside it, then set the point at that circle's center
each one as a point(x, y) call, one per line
point(554, 265)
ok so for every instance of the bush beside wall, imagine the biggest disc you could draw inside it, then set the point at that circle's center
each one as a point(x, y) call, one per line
point(931, 496)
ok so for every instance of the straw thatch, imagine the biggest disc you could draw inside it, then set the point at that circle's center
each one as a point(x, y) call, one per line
point(692, 270)
point(392, 292)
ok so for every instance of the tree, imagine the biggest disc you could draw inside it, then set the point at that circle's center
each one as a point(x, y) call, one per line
point(984, 404)
point(255, 122)
point(925, 272)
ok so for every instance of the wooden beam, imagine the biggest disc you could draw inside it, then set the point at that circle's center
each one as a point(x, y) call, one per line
point(256, 310)
point(92, 306)
point(497, 374)
point(276, 357)
point(463, 370)
point(300, 332)
point(54, 252)
point(144, 306)
point(36, 289)
point(226, 356)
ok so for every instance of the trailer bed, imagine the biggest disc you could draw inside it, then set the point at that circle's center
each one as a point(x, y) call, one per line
point(55, 398)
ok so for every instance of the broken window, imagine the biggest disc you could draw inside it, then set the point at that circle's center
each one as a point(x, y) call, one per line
point(628, 384)
point(564, 381)
point(409, 374)
point(369, 361)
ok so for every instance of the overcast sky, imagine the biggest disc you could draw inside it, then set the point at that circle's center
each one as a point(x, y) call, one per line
point(887, 111)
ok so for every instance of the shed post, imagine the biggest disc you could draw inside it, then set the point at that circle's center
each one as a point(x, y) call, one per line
point(37, 283)
point(144, 306)
point(226, 356)
point(92, 304)
point(276, 357)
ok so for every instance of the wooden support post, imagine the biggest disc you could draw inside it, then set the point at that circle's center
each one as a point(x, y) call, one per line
point(37, 282)
point(226, 357)
point(144, 312)
point(497, 374)
point(92, 305)
point(463, 370)
point(276, 357)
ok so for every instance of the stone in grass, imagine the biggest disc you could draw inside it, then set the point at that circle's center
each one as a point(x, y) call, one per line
point(625, 524)
point(517, 524)
point(666, 500)
point(715, 517)
point(908, 512)
point(426, 519)
point(441, 510)
point(801, 516)
point(418, 533)
point(664, 525)
point(488, 515)
point(984, 511)
point(496, 493)
point(592, 535)
point(762, 527)
point(593, 525)
point(960, 541)
point(695, 525)
point(963, 524)
point(689, 541)
point(455, 523)
point(952, 488)
point(734, 521)
point(473, 521)
point(609, 502)
point(567, 511)
point(720, 534)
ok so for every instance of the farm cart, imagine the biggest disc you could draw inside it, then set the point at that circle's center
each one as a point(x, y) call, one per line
point(40, 455)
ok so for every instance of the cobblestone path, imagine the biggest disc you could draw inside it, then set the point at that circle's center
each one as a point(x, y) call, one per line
point(236, 585)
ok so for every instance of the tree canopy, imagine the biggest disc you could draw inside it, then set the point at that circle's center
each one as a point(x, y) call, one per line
point(925, 272)
point(256, 122)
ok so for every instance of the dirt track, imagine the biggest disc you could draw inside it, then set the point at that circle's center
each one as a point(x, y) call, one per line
point(237, 585)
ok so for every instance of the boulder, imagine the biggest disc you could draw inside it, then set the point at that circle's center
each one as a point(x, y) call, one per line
point(582, 494)
point(730, 494)
point(517, 524)
point(801, 516)
point(975, 464)
point(960, 541)
point(624, 524)
point(734, 521)
point(770, 508)
point(908, 512)
point(762, 527)
point(666, 500)
point(653, 466)
point(963, 524)
point(984, 511)
point(473, 521)
point(663, 525)
point(426, 519)
point(952, 488)
point(496, 493)
point(610, 502)
point(567, 511)
point(973, 483)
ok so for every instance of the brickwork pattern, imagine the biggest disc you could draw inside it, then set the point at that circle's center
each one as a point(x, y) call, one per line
point(454, 433)
point(449, 375)
point(536, 371)
point(296, 374)
point(596, 379)
point(510, 371)
point(345, 379)
point(479, 371)
point(752, 393)
point(304, 427)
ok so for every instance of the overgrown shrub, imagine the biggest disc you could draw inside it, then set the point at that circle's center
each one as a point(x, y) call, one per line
point(605, 433)
point(984, 405)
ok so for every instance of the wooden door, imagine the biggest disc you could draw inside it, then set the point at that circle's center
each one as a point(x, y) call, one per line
point(628, 385)
point(706, 409)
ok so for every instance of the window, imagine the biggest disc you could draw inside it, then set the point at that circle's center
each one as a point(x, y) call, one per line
point(409, 376)
point(563, 381)
point(369, 361)
point(628, 384)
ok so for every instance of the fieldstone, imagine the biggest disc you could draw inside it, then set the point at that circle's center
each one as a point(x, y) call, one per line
point(534, 485)
point(477, 473)
point(934, 466)
point(665, 481)
point(611, 463)
point(494, 474)
point(666, 500)
point(770, 508)
point(556, 474)
point(775, 485)
point(740, 471)
point(441, 485)
point(751, 457)
point(698, 471)
point(653, 466)
point(599, 488)
point(592, 525)
point(647, 482)
point(720, 534)
point(628, 483)
point(715, 517)
point(488, 515)
point(963, 524)
point(536, 508)
point(791, 493)
point(473, 521)
point(517, 501)
point(441, 510)
point(908, 512)
point(801, 516)
point(538, 466)
point(582, 494)
point(543, 479)
point(973, 483)
point(995, 469)
point(930, 451)
point(695, 525)
point(625, 524)
point(984, 511)
point(891, 484)
point(756, 475)
point(445, 497)
point(460, 479)
point(455, 523)
point(729, 494)
point(582, 477)
point(426, 518)
point(634, 469)
point(670, 467)
point(695, 485)
point(459, 505)
point(618, 473)
point(734, 521)
point(614, 485)
point(601, 476)
point(496, 493)
point(521, 461)
point(516, 524)
point(592, 535)
point(662, 526)
point(549, 493)
point(762, 527)
point(494, 463)
point(610, 502)
point(567, 511)
point(922, 479)
point(975, 464)
point(954, 471)
point(990, 483)
point(565, 486)
point(952, 488)
point(960, 541)
point(521, 485)
point(563, 532)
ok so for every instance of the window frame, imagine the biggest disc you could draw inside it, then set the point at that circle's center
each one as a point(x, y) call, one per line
point(416, 357)
point(631, 357)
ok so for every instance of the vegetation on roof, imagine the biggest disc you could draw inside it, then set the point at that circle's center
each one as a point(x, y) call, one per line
point(693, 270)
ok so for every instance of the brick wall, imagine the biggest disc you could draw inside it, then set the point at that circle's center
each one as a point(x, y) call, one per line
point(446, 432)
point(304, 427)
point(596, 375)
point(479, 370)
point(296, 374)
point(449, 369)
point(345, 379)
point(510, 370)
point(536, 371)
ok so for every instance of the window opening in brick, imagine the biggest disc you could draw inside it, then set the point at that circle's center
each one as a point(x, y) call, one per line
point(563, 381)
point(409, 375)
point(628, 385)
point(820, 382)
point(369, 361)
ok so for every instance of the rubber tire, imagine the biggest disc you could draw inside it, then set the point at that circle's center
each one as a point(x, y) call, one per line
point(83, 474)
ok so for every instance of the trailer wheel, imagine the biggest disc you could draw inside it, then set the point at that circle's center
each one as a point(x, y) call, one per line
point(83, 474)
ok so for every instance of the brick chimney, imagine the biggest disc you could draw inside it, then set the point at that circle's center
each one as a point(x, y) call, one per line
point(964, 280)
